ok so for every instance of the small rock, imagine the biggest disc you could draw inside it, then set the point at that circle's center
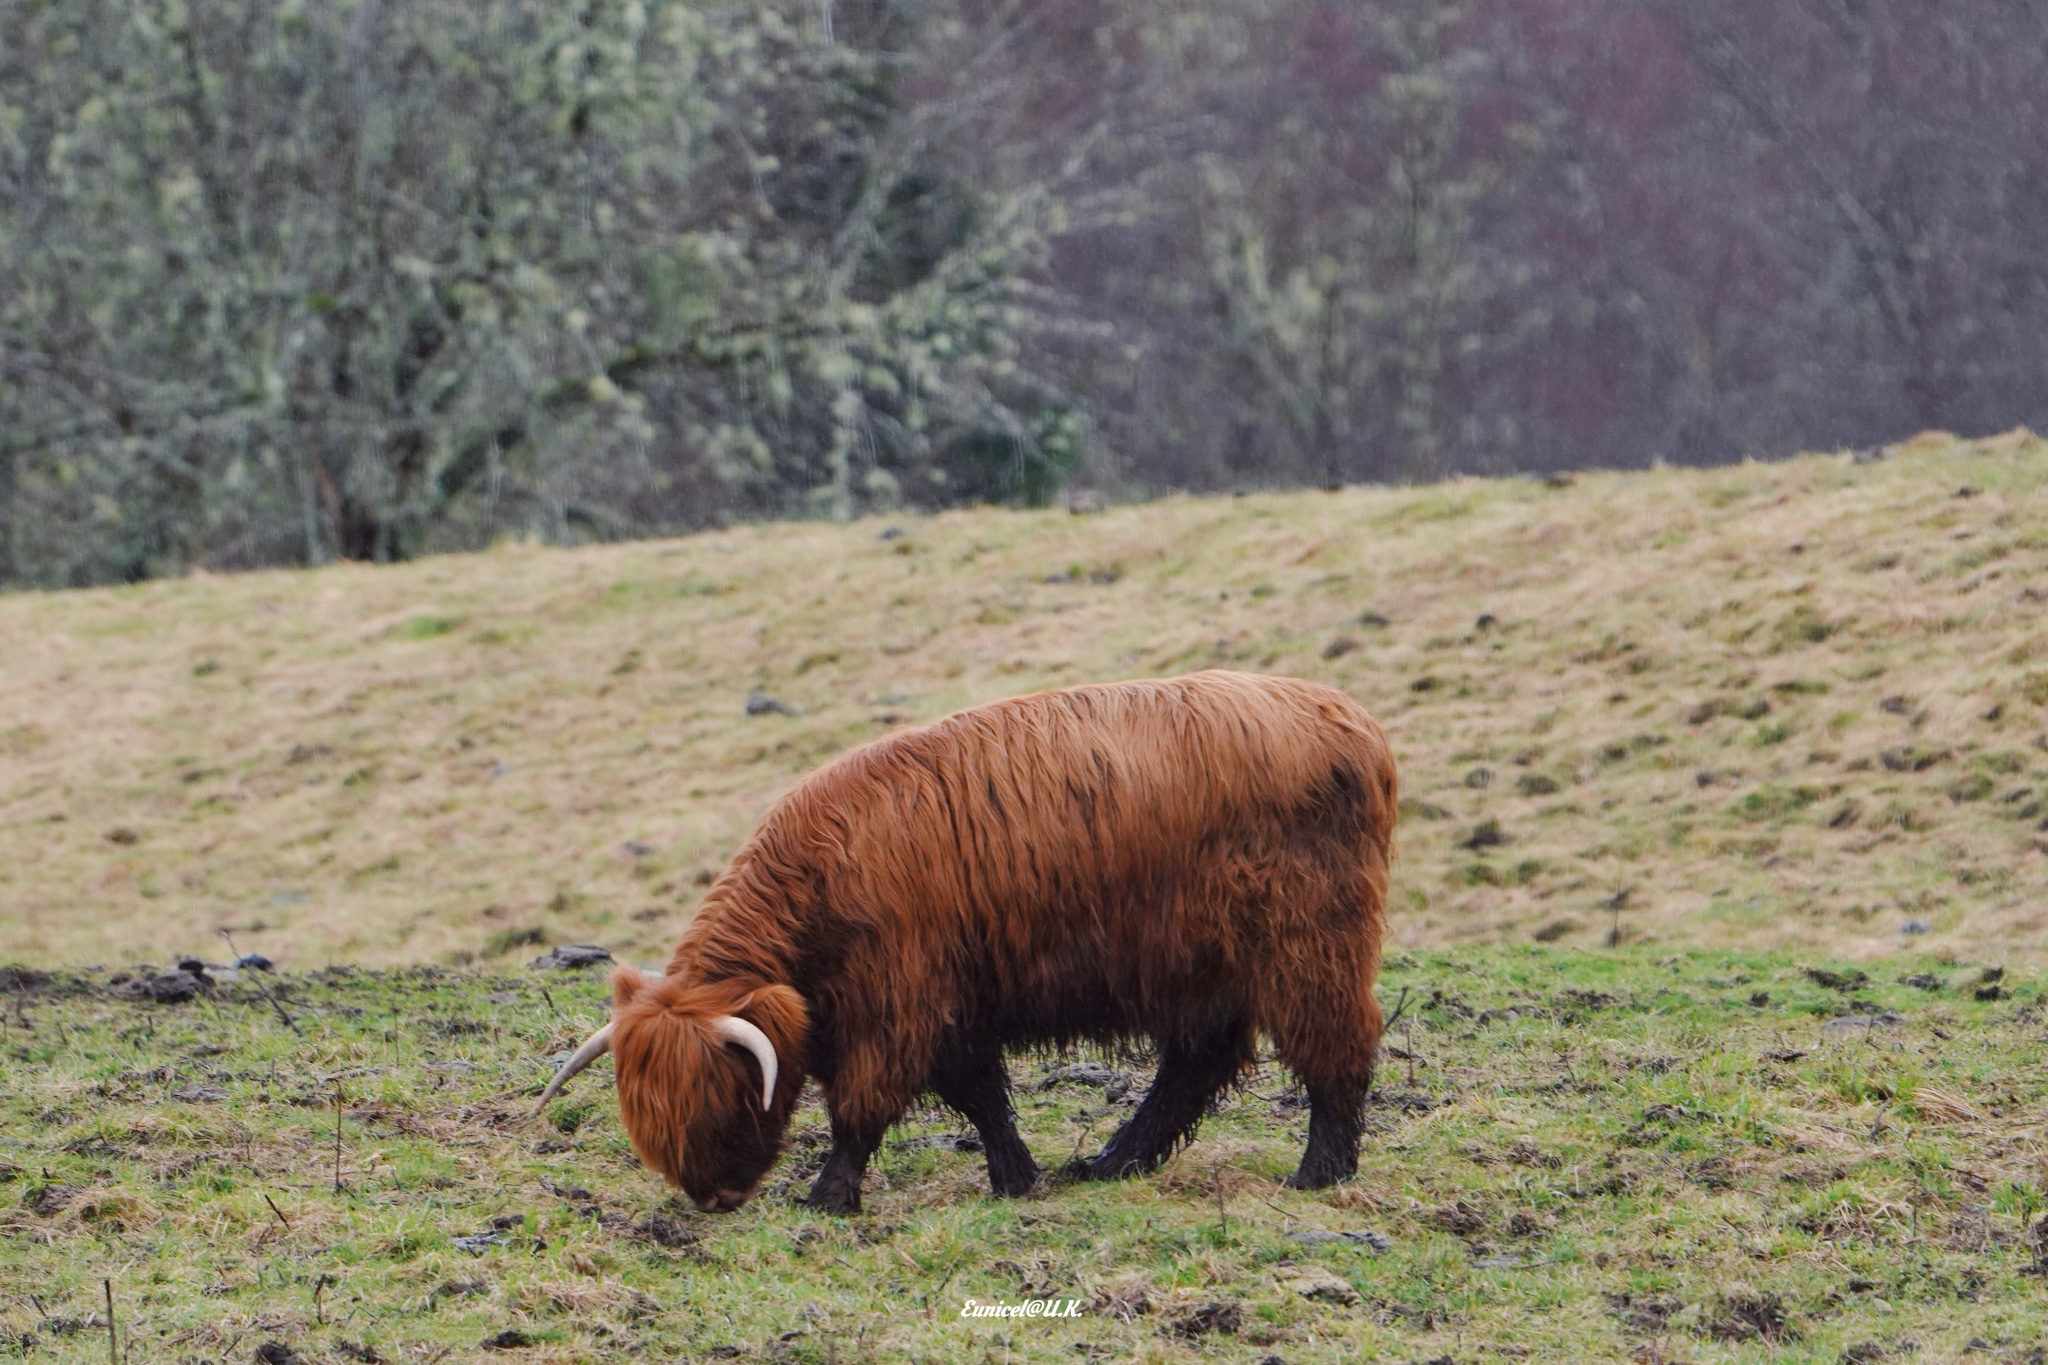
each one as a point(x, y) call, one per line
point(892, 533)
point(254, 962)
point(568, 957)
point(199, 1094)
point(1459, 1218)
point(1324, 1287)
point(277, 1353)
point(1850, 1023)
point(480, 1243)
point(1488, 834)
point(14, 978)
point(663, 1230)
point(168, 988)
point(1838, 981)
point(759, 703)
point(52, 1199)
point(1357, 1237)
point(1220, 1317)
point(1916, 926)
point(1923, 981)
point(636, 848)
point(1085, 1073)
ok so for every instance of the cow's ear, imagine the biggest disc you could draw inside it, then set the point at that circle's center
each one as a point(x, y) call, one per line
point(627, 983)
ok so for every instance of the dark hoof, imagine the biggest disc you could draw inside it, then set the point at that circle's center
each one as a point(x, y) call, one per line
point(1014, 1184)
point(1106, 1167)
point(1306, 1179)
point(838, 1199)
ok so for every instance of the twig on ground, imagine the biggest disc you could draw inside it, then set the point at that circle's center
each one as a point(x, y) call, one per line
point(289, 1022)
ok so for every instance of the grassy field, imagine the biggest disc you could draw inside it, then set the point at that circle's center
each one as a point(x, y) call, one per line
point(1788, 707)
point(1573, 1155)
point(1719, 912)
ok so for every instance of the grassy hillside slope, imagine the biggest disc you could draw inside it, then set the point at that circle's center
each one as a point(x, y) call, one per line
point(1787, 706)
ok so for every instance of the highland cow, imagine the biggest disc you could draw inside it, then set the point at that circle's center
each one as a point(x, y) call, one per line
point(1192, 861)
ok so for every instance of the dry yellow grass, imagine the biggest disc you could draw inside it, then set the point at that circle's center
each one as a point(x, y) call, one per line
point(1773, 706)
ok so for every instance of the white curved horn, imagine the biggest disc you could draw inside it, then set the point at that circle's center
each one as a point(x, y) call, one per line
point(734, 1029)
point(595, 1046)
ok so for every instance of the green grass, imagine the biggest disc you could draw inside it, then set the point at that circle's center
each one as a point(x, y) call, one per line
point(1595, 1154)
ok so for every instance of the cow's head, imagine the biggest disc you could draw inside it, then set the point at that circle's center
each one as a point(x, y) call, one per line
point(707, 1077)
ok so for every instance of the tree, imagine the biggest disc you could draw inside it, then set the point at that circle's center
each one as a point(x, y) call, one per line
point(284, 282)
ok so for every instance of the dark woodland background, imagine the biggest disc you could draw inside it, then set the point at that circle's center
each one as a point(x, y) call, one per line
point(289, 280)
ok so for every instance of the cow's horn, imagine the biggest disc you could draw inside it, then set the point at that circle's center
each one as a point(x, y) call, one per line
point(737, 1030)
point(595, 1046)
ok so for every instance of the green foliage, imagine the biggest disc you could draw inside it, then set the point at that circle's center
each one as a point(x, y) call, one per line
point(286, 282)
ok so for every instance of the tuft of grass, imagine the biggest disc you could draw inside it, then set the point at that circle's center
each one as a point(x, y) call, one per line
point(1783, 751)
point(1572, 1155)
point(427, 627)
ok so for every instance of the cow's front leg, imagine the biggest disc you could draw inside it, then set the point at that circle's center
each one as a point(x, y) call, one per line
point(837, 1188)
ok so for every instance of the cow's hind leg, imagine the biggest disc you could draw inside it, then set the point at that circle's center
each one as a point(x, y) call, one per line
point(971, 1078)
point(837, 1188)
point(1192, 1072)
point(1330, 1047)
point(1335, 1117)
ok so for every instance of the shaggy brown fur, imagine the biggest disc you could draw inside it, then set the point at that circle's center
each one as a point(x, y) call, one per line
point(1196, 860)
